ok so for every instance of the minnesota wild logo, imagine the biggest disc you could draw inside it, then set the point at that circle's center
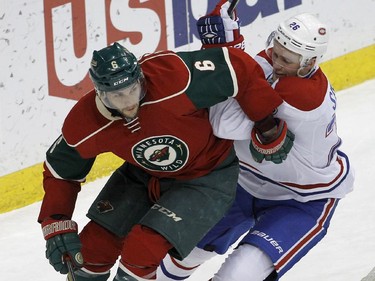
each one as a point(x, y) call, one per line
point(161, 153)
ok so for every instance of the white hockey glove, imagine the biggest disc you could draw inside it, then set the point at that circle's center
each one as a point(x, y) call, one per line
point(218, 29)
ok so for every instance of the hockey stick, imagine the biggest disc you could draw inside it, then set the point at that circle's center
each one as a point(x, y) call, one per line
point(71, 276)
point(232, 6)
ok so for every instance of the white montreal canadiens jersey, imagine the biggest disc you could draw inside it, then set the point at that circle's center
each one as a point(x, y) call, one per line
point(314, 168)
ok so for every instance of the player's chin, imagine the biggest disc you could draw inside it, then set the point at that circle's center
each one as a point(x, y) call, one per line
point(130, 112)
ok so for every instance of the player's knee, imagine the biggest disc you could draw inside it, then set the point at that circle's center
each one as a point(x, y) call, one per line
point(143, 250)
point(246, 260)
point(196, 257)
point(100, 248)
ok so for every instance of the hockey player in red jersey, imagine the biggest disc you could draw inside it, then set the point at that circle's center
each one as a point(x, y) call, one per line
point(286, 208)
point(178, 179)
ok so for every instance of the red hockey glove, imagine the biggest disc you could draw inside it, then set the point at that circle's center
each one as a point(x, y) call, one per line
point(218, 29)
point(62, 243)
point(275, 150)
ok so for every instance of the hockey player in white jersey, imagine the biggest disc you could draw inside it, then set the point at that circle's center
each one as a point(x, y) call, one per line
point(286, 203)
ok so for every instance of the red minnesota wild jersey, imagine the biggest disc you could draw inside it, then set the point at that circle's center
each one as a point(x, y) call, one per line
point(171, 136)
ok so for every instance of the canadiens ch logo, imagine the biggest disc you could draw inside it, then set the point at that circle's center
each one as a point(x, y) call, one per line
point(161, 153)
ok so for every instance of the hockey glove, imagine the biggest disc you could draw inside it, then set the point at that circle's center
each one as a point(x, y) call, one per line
point(62, 243)
point(218, 29)
point(277, 150)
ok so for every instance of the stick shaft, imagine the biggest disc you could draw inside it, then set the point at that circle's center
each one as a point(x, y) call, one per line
point(232, 6)
point(71, 276)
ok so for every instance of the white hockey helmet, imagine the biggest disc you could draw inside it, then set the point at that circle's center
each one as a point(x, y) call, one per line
point(305, 35)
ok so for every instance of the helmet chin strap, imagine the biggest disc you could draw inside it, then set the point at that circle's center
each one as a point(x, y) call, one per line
point(304, 65)
point(307, 74)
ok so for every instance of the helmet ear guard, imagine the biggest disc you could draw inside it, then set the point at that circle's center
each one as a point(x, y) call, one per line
point(303, 34)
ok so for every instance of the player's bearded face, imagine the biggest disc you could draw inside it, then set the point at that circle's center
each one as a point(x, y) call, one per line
point(125, 101)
